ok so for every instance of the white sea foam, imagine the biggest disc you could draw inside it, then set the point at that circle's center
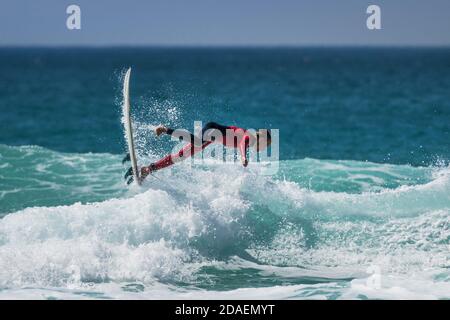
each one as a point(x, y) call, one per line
point(141, 244)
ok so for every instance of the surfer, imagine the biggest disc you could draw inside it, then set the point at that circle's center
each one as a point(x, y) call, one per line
point(230, 136)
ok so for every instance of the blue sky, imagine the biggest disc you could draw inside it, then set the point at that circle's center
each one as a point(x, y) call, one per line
point(225, 22)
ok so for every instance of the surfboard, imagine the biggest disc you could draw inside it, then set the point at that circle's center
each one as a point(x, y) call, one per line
point(129, 126)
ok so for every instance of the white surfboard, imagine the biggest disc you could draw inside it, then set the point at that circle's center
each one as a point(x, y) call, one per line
point(129, 127)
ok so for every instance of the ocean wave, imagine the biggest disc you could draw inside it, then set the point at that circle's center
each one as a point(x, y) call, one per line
point(210, 226)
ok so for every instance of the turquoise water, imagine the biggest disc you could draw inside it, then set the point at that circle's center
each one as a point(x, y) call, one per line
point(363, 183)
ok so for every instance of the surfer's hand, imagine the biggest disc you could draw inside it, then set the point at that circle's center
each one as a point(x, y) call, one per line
point(160, 130)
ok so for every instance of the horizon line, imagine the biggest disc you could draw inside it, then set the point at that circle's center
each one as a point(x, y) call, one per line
point(223, 46)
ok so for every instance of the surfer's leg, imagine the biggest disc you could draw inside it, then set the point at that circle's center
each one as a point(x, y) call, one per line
point(186, 152)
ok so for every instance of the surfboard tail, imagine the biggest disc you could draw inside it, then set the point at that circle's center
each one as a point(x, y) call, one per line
point(129, 128)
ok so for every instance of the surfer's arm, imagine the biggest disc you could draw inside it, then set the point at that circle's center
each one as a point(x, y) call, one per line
point(179, 133)
point(243, 148)
point(209, 131)
point(159, 130)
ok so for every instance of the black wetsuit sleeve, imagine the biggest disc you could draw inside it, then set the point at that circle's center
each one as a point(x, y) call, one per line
point(216, 126)
point(208, 126)
point(170, 131)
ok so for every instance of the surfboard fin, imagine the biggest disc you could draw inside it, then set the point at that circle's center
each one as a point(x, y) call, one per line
point(129, 181)
point(127, 158)
point(128, 173)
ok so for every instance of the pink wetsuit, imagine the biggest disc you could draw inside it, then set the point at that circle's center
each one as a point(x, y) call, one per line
point(237, 138)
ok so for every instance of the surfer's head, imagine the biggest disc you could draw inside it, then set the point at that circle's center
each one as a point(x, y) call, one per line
point(263, 139)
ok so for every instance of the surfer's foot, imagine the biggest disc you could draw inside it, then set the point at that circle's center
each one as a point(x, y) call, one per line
point(159, 130)
point(145, 171)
